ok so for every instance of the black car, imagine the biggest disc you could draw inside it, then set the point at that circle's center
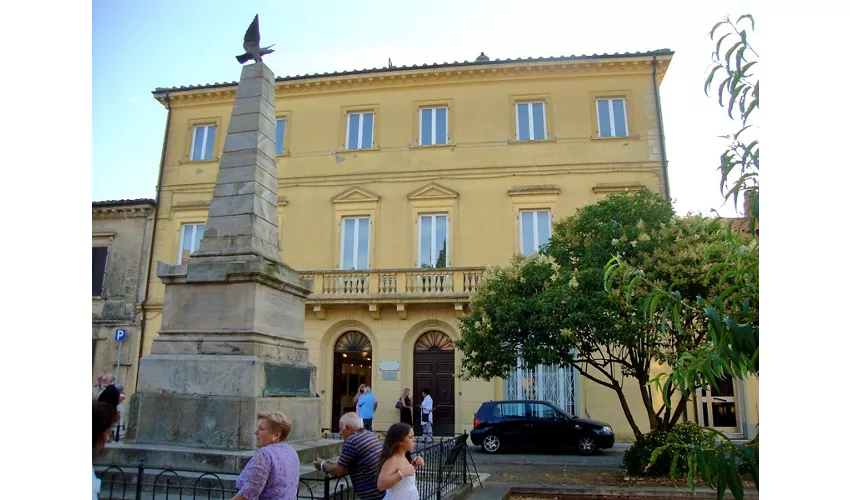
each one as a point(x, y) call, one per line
point(539, 424)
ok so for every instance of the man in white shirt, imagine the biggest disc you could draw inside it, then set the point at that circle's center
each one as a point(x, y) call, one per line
point(427, 416)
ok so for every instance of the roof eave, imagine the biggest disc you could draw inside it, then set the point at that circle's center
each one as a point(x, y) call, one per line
point(160, 93)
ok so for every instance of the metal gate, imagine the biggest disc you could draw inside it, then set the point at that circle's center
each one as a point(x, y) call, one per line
point(551, 383)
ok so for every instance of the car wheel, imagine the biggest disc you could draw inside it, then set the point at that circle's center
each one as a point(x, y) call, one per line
point(586, 445)
point(491, 444)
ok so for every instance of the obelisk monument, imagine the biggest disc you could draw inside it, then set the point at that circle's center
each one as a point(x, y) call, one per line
point(231, 342)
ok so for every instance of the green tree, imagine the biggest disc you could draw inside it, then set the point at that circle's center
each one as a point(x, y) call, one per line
point(731, 313)
point(553, 308)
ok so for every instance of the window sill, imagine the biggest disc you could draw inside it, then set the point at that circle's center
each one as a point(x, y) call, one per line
point(212, 160)
point(616, 138)
point(355, 151)
point(517, 141)
point(285, 154)
point(433, 146)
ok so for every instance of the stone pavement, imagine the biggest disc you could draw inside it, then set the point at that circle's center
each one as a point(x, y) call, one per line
point(504, 492)
point(569, 475)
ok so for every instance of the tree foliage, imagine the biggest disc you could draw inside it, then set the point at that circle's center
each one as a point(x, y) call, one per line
point(731, 313)
point(553, 308)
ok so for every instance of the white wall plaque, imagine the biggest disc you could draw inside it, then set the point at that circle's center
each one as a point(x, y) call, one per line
point(389, 366)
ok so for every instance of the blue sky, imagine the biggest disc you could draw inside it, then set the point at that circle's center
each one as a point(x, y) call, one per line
point(138, 46)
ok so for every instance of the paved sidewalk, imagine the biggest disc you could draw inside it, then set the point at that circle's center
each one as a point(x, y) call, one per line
point(575, 482)
point(504, 492)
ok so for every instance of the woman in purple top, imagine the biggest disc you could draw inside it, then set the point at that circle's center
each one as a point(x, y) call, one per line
point(272, 473)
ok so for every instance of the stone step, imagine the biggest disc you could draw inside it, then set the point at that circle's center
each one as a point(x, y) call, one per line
point(211, 460)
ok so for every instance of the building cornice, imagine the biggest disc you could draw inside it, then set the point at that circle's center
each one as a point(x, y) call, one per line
point(120, 211)
point(581, 66)
point(616, 187)
point(534, 190)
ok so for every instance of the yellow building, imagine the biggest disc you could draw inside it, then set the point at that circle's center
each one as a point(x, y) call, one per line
point(398, 186)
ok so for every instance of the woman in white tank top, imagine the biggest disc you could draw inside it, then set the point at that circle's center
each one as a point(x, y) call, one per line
point(398, 471)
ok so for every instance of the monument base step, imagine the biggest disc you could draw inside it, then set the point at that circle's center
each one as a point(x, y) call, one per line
point(128, 456)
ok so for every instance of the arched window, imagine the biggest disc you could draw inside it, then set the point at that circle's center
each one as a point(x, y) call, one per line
point(353, 342)
point(434, 341)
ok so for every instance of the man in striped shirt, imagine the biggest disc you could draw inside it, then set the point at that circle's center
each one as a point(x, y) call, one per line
point(360, 457)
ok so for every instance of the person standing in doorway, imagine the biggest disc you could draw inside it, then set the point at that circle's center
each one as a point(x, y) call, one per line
point(356, 398)
point(367, 404)
point(406, 407)
point(427, 416)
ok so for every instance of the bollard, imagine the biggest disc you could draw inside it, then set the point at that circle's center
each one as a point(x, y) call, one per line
point(139, 479)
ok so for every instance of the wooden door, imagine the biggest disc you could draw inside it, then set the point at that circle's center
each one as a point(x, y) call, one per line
point(434, 368)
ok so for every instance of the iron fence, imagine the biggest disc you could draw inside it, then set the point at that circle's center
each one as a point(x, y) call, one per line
point(140, 483)
point(445, 469)
point(326, 487)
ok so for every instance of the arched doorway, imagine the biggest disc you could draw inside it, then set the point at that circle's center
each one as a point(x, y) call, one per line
point(434, 368)
point(352, 367)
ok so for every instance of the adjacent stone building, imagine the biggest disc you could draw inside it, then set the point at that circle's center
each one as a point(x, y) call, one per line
point(121, 236)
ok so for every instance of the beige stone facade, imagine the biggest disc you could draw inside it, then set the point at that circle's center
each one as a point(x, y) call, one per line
point(121, 237)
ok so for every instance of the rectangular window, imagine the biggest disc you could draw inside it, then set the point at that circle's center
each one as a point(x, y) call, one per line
point(190, 240)
point(433, 241)
point(359, 130)
point(530, 121)
point(203, 138)
point(279, 135)
point(354, 250)
point(551, 383)
point(433, 126)
point(98, 270)
point(612, 118)
point(535, 228)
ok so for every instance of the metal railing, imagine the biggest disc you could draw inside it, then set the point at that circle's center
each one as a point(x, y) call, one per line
point(141, 483)
point(445, 469)
point(324, 486)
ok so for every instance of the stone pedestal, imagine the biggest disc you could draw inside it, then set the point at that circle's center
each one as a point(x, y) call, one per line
point(231, 343)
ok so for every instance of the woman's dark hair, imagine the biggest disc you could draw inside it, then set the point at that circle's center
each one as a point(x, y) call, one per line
point(395, 434)
point(103, 416)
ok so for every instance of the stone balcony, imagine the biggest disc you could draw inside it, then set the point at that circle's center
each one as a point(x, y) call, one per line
point(398, 287)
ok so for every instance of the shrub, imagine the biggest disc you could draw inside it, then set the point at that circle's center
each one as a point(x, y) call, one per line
point(636, 459)
point(749, 453)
